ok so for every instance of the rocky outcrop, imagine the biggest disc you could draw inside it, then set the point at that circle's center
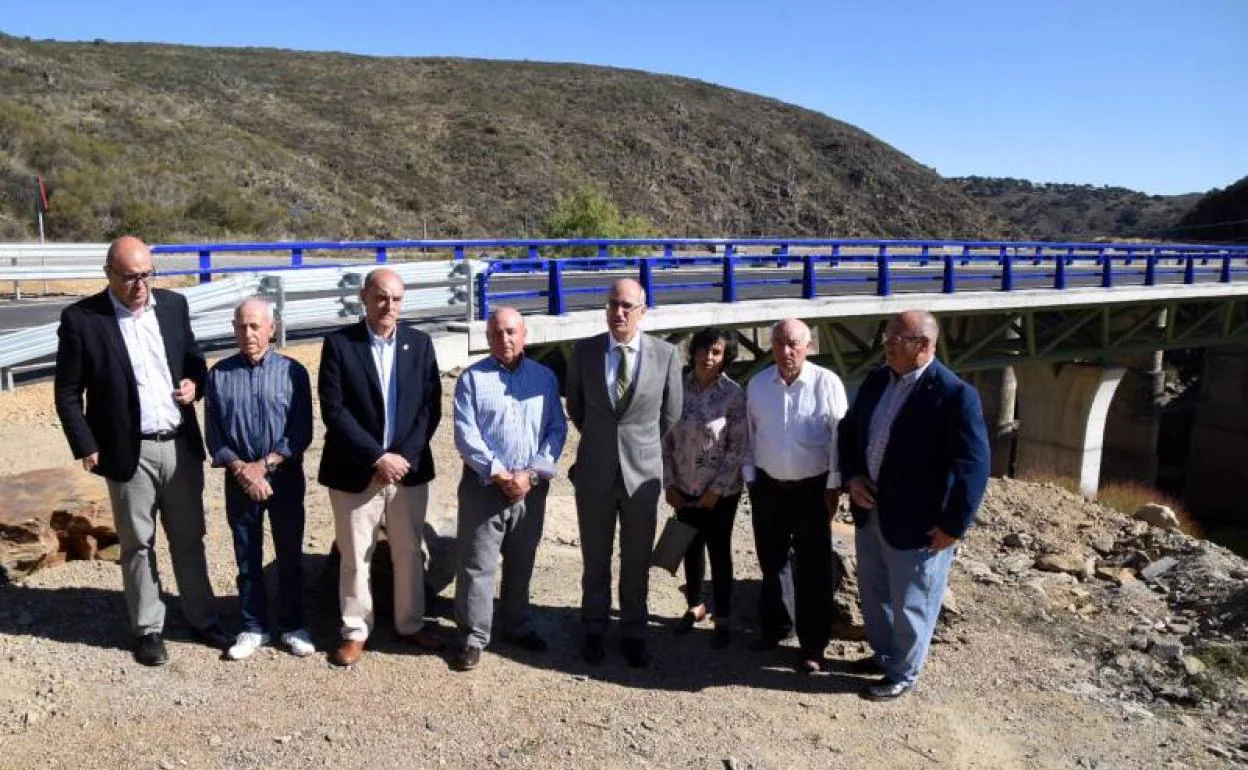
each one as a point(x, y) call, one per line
point(51, 516)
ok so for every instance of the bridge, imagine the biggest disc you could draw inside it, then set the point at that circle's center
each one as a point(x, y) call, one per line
point(1064, 340)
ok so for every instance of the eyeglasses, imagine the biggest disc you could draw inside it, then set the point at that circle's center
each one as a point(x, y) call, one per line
point(627, 307)
point(897, 339)
point(133, 279)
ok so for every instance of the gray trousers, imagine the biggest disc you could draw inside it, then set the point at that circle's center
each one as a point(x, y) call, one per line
point(169, 479)
point(597, 512)
point(490, 527)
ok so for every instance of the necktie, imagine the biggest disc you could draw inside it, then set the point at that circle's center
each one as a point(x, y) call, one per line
point(622, 376)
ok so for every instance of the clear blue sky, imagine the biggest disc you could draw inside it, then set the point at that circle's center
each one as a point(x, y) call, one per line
point(1146, 94)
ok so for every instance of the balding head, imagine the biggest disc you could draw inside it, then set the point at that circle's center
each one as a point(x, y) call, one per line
point(626, 304)
point(382, 295)
point(253, 328)
point(910, 340)
point(129, 270)
point(506, 333)
point(790, 344)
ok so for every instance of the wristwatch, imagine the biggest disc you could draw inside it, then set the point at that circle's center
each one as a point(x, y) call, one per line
point(269, 465)
point(534, 478)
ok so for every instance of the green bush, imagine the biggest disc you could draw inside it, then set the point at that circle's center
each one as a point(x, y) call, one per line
point(589, 213)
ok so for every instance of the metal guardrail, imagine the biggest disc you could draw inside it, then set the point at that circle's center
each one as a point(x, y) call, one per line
point(439, 285)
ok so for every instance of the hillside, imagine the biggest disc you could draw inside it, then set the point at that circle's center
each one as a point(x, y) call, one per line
point(1219, 217)
point(1074, 212)
point(192, 143)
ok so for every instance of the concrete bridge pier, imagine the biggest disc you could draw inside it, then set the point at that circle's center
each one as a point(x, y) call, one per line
point(997, 390)
point(1133, 424)
point(1218, 453)
point(1063, 410)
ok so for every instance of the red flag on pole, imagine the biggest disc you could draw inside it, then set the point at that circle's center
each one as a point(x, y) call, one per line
point(42, 201)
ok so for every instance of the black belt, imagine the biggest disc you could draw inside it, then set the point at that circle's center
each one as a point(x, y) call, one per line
point(161, 435)
point(793, 483)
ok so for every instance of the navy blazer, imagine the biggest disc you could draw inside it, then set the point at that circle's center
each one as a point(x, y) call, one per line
point(91, 358)
point(354, 413)
point(935, 468)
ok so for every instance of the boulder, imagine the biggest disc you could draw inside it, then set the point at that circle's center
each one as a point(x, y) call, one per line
point(52, 516)
point(1116, 575)
point(1070, 563)
point(1157, 515)
point(847, 622)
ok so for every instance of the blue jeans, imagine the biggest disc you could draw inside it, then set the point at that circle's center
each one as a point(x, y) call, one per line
point(286, 517)
point(901, 592)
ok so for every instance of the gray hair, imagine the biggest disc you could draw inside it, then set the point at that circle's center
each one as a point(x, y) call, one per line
point(803, 330)
point(262, 302)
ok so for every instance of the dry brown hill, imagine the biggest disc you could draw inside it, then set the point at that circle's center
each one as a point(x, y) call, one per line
point(192, 143)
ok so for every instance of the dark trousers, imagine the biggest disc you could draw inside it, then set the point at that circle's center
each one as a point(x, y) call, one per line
point(714, 526)
point(286, 517)
point(790, 518)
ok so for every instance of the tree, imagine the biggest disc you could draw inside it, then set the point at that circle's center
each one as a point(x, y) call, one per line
point(590, 213)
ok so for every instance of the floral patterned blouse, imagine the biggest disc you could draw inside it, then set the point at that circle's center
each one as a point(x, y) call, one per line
point(707, 446)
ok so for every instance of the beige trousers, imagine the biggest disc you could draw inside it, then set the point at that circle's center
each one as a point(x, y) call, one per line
point(358, 517)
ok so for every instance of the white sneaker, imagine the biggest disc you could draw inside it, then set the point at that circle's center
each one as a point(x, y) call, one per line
point(246, 644)
point(299, 642)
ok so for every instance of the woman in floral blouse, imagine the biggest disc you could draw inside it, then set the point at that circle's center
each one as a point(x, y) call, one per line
point(702, 458)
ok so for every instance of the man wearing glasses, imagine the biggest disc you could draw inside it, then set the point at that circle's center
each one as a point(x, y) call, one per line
point(624, 393)
point(131, 351)
point(914, 451)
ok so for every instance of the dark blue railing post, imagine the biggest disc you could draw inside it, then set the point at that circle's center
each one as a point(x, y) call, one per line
point(483, 297)
point(604, 251)
point(381, 255)
point(729, 286)
point(1189, 268)
point(782, 256)
point(205, 266)
point(1107, 269)
point(647, 280)
point(535, 254)
point(925, 255)
point(948, 283)
point(808, 277)
point(1059, 268)
point(668, 252)
point(459, 253)
point(1225, 275)
point(1007, 269)
point(554, 288)
point(883, 285)
point(296, 257)
point(1150, 268)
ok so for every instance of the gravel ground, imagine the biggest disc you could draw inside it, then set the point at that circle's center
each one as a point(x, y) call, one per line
point(1005, 690)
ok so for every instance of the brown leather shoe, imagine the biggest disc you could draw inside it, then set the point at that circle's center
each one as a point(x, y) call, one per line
point(348, 652)
point(425, 640)
point(468, 659)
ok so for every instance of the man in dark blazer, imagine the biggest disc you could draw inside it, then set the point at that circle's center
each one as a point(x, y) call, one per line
point(624, 394)
point(381, 401)
point(915, 452)
point(130, 350)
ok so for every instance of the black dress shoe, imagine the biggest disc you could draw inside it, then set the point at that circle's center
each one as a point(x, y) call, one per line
point(595, 652)
point(809, 664)
point(468, 659)
point(530, 641)
point(866, 666)
point(687, 622)
point(635, 653)
point(149, 649)
point(885, 689)
point(213, 636)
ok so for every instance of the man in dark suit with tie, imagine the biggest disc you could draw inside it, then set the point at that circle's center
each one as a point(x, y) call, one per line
point(381, 401)
point(131, 351)
point(624, 394)
point(914, 449)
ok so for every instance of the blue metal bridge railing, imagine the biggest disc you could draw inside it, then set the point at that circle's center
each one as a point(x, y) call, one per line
point(827, 266)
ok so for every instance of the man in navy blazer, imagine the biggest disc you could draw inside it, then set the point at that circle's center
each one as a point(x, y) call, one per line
point(381, 401)
point(914, 449)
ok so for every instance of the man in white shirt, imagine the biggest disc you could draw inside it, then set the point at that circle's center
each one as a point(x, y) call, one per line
point(130, 351)
point(793, 409)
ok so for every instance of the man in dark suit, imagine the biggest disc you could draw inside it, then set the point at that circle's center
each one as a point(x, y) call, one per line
point(915, 452)
point(624, 394)
point(131, 351)
point(381, 401)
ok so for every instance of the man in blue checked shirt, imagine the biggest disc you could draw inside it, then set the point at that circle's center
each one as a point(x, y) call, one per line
point(509, 429)
point(258, 415)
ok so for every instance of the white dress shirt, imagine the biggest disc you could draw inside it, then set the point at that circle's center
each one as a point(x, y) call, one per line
point(383, 359)
point(793, 427)
point(145, 346)
point(613, 362)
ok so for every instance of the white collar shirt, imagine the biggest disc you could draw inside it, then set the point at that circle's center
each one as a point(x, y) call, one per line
point(383, 358)
point(145, 347)
point(613, 362)
point(792, 427)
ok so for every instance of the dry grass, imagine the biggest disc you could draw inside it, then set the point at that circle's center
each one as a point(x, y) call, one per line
point(1125, 496)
